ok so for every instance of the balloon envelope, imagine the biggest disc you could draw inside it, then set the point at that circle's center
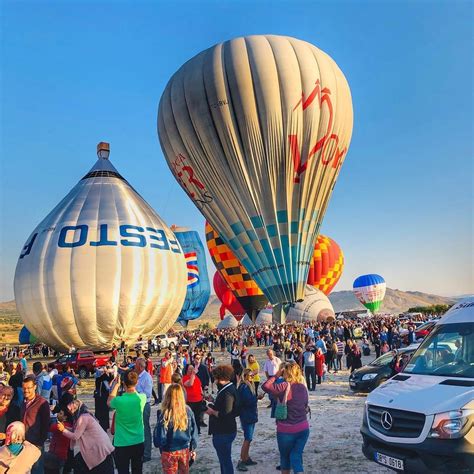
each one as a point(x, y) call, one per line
point(315, 307)
point(265, 316)
point(255, 130)
point(326, 265)
point(25, 336)
point(370, 291)
point(101, 267)
point(227, 298)
point(249, 295)
point(228, 322)
point(199, 287)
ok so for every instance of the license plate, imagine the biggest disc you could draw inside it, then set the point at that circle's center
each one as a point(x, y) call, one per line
point(394, 463)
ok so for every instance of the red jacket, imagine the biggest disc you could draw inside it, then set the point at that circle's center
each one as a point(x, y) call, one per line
point(59, 444)
point(319, 361)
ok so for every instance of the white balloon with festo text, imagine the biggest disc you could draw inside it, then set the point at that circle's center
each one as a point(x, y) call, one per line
point(101, 267)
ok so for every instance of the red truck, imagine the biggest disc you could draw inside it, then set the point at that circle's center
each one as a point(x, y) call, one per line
point(83, 363)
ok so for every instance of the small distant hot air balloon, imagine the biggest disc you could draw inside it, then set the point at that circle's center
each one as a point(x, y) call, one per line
point(101, 267)
point(370, 291)
point(227, 298)
point(255, 130)
point(235, 275)
point(228, 322)
point(199, 288)
point(25, 336)
point(326, 265)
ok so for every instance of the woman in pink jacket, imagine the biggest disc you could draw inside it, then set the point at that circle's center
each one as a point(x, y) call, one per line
point(95, 448)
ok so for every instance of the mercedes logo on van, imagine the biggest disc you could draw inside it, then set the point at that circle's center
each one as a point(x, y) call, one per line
point(386, 420)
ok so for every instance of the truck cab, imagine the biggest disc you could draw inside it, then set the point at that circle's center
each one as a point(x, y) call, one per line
point(422, 420)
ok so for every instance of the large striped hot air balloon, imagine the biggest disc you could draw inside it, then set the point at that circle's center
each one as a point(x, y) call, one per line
point(227, 298)
point(199, 287)
point(101, 267)
point(235, 275)
point(326, 265)
point(255, 130)
point(370, 291)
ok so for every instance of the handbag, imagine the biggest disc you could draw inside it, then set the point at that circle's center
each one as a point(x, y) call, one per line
point(281, 409)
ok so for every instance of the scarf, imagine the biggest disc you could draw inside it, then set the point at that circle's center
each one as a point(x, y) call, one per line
point(15, 448)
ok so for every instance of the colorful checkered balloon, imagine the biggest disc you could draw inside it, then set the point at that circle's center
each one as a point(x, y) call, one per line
point(249, 295)
point(326, 265)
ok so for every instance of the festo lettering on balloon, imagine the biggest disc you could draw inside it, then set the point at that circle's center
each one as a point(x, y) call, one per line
point(101, 267)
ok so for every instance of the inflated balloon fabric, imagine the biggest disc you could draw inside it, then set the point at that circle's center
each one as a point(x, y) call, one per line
point(101, 267)
point(370, 291)
point(227, 298)
point(315, 307)
point(25, 336)
point(250, 296)
point(199, 287)
point(255, 130)
point(326, 265)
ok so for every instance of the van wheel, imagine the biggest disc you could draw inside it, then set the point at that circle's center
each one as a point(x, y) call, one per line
point(83, 373)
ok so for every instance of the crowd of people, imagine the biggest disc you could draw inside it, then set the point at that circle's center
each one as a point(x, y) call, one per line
point(46, 428)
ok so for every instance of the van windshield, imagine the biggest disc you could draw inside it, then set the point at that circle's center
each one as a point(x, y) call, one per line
point(448, 351)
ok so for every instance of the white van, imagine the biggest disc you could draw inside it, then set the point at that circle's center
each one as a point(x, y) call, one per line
point(422, 420)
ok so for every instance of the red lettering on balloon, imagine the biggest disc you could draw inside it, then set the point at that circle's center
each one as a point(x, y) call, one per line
point(323, 98)
point(185, 174)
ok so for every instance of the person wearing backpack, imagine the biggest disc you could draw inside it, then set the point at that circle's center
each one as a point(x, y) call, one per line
point(248, 417)
point(222, 414)
point(176, 432)
point(291, 415)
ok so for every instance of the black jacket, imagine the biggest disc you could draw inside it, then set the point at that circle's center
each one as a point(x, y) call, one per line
point(226, 405)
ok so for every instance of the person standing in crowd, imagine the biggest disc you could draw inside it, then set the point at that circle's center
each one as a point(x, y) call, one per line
point(95, 448)
point(17, 455)
point(193, 387)
point(356, 358)
point(103, 379)
point(57, 455)
point(129, 434)
point(145, 386)
point(175, 432)
point(271, 367)
point(151, 370)
point(348, 353)
point(340, 353)
point(16, 381)
point(202, 374)
point(9, 412)
point(35, 416)
point(166, 371)
point(44, 382)
point(320, 361)
point(23, 363)
point(247, 395)
point(309, 364)
point(292, 432)
point(222, 414)
point(254, 367)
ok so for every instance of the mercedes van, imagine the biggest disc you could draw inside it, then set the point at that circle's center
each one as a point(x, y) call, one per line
point(422, 420)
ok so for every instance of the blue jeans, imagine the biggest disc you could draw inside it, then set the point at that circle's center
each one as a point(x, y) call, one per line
point(223, 445)
point(291, 446)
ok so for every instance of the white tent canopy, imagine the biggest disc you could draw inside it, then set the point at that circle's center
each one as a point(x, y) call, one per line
point(228, 322)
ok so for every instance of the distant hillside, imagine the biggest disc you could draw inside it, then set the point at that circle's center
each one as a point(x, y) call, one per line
point(395, 301)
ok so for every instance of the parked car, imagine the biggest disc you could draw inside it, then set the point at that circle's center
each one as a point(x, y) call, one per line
point(83, 363)
point(370, 376)
point(163, 341)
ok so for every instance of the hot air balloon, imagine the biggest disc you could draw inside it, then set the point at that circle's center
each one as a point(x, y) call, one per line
point(326, 265)
point(227, 298)
point(246, 321)
point(228, 322)
point(235, 275)
point(265, 316)
point(199, 287)
point(25, 336)
point(370, 291)
point(255, 130)
point(101, 267)
point(315, 307)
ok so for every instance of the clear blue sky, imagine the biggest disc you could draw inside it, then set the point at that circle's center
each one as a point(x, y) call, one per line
point(75, 73)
